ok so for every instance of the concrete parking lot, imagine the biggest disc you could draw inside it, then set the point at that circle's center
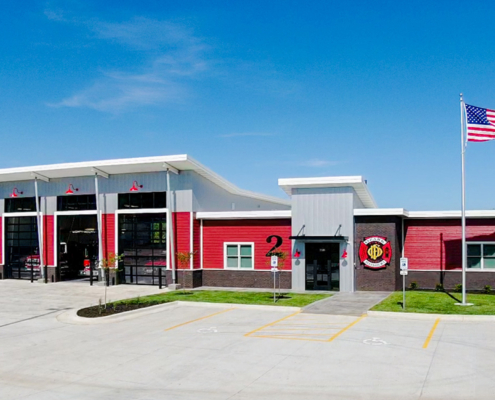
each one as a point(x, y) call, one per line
point(216, 352)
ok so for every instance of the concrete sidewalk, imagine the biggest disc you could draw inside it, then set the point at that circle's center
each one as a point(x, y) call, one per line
point(356, 303)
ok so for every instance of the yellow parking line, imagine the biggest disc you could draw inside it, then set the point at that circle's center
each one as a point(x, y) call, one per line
point(275, 329)
point(427, 341)
point(312, 323)
point(271, 323)
point(289, 334)
point(198, 319)
point(289, 338)
point(347, 327)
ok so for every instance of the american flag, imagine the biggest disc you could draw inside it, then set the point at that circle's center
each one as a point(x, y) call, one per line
point(480, 124)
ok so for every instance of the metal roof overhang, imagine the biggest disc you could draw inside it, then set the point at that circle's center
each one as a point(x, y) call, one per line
point(401, 212)
point(176, 163)
point(358, 183)
point(319, 238)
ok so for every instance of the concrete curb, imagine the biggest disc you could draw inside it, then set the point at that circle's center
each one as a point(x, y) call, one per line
point(444, 317)
point(71, 317)
point(243, 306)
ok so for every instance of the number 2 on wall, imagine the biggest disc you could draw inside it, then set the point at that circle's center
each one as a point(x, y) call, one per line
point(277, 244)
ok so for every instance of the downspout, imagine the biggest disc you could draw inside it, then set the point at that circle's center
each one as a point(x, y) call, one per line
point(40, 229)
point(170, 228)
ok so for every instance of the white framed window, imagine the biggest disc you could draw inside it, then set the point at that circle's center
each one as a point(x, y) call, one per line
point(481, 255)
point(238, 255)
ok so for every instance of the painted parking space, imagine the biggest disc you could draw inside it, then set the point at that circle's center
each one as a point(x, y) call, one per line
point(309, 327)
point(413, 334)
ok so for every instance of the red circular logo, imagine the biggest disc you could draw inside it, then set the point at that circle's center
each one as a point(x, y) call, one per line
point(375, 252)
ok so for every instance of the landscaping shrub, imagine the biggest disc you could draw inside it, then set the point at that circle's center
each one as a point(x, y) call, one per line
point(439, 287)
point(488, 289)
point(413, 285)
point(458, 288)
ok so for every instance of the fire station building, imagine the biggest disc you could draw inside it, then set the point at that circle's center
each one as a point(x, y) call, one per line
point(166, 220)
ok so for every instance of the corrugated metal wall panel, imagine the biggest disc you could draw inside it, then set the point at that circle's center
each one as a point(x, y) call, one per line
point(216, 233)
point(182, 234)
point(151, 182)
point(1, 239)
point(211, 197)
point(437, 244)
point(108, 234)
point(196, 242)
point(48, 239)
point(323, 212)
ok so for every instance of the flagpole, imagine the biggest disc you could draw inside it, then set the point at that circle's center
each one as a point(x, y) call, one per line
point(463, 211)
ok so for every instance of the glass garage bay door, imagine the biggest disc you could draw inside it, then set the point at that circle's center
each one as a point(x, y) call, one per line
point(21, 248)
point(143, 243)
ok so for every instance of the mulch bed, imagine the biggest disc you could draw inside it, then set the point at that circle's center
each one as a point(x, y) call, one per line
point(97, 311)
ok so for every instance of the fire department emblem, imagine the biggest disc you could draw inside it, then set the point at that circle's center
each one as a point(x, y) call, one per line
point(375, 252)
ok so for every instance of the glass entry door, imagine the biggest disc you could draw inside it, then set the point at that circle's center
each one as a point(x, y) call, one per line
point(322, 266)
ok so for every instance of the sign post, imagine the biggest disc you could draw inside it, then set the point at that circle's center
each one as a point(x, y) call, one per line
point(274, 265)
point(403, 272)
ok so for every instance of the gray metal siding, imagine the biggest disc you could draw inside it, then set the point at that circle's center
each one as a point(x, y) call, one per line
point(357, 201)
point(324, 212)
point(210, 197)
point(108, 188)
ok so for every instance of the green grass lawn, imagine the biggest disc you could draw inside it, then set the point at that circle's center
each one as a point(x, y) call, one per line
point(219, 296)
point(438, 303)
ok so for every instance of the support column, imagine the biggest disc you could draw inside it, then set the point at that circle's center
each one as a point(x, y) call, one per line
point(40, 230)
point(170, 233)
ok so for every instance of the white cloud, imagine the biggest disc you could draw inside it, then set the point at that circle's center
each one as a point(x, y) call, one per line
point(174, 55)
point(317, 163)
point(243, 134)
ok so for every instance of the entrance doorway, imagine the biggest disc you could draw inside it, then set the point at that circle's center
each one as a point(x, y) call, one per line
point(77, 246)
point(22, 258)
point(143, 243)
point(322, 266)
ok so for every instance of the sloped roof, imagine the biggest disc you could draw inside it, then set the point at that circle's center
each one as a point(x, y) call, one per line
point(181, 162)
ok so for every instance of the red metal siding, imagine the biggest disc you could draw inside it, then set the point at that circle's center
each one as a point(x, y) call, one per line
point(1, 239)
point(196, 242)
point(436, 244)
point(182, 233)
point(48, 238)
point(108, 234)
point(216, 233)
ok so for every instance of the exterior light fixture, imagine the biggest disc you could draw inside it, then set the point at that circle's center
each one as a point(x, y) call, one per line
point(16, 193)
point(71, 189)
point(135, 187)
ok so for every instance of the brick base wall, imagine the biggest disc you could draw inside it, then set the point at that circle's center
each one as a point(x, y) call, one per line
point(387, 278)
point(189, 278)
point(246, 279)
point(429, 279)
point(2, 272)
point(51, 274)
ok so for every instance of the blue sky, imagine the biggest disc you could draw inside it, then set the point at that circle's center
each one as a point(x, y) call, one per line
point(256, 90)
